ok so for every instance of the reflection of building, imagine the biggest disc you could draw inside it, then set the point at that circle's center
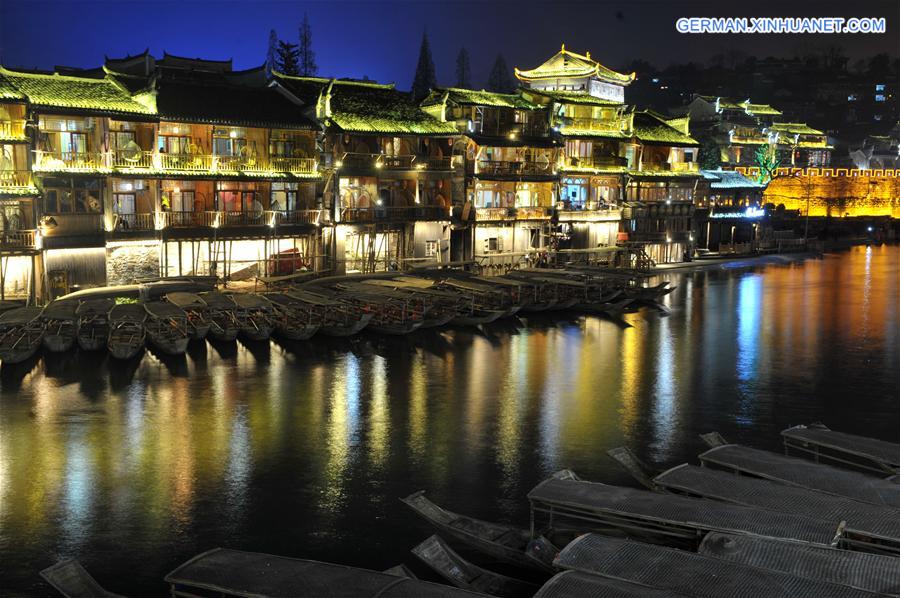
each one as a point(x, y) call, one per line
point(729, 215)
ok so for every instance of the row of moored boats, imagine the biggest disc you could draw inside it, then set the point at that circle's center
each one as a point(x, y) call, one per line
point(820, 521)
point(168, 314)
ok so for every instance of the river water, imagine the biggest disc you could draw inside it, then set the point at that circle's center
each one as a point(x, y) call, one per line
point(304, 450)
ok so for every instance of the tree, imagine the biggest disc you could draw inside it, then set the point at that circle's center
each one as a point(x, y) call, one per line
point(307, 66)
point(287, 58)
point(463, 69)
point(272, 52)
point(709, 156)
point(499, 80)
point(425, 79)
point(768, 162)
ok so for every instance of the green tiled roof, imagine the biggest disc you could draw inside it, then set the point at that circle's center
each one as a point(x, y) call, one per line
point(471, 97)
point(575, 97)
point(746, 105)
point(795, 129)
point(762, 109)
point(651, 129)
point(81, 93)
point(570, 64)
point(576, 132)
point(8, 90)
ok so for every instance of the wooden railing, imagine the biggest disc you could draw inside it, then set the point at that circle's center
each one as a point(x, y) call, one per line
point(527, 167)
point(12, 129)
point(15, 179)
point(127, 159)
point(494, 214)
point(434, 163)
point(293, 165)
point(18, 239)
point(533, 213)
point(394, 214)
point(186, 162)
point(214, 218)
point(594, 162)
point(593, 124)
point(53, 161)
point(684, 167)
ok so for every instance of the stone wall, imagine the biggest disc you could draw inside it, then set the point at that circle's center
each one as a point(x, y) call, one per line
point(126, 263)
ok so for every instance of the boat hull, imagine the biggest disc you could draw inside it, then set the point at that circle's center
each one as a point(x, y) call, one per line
point(261, 333)
point(220, 333)
point(477, 319)
point(59, 343)
point(124, 351)
point(395, 329)
point(19, 355)
point(296, 333)
point(169, 346)
point(91, 342)
point(341, 330)
point(198, 332)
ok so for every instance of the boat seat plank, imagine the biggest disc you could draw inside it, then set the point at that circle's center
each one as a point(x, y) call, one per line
point(688, 572)
point(870, 572)
point(595, 501)
point(804, 473)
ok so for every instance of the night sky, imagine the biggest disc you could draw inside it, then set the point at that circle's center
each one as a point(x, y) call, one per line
point(381, 39)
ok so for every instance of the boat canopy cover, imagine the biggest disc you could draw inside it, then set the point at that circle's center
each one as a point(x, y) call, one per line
point(70, 578)
point(705, 515)
point(160, 288)
point(313, 298)
point(60, 310)
point(218, 300)
point(250, 301)
point(687, 572)
point(574, 584)
point(185, 300)
point(872, 572)
point(256, 575)
point(92, 307)
point(744, 490)
point(164, 309)
point(806, 474)
point(870, 448)
point(127, 311)
point(20, 315)
point(131, 291)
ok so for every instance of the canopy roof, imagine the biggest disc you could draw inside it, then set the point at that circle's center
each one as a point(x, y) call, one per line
point(745, 105)
point(566, 64)
point(573, 97)
point(74, 93)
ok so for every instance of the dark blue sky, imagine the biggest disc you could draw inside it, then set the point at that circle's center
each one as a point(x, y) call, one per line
point(381, 39)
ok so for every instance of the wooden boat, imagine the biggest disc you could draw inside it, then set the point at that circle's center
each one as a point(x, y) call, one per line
point(819, 442)
point(867, 527)
point(339, 318)
point(671, 519)
point(435, 553)
point(230, 573)
point(574, 584)
point(72, 581)
point(126, 330)
point(649, 294)
point(293, 319)
point(254, 316)
point(223, 323)
point(687, 572)
point(504, 543)
point(93, 323)
point(392, 313)
point(21, 330)
point(795, 471)
point(196, 310)
point(166, 327)
point(60, 325)
point(439, 307)
point(483, 303)
point(875, 573)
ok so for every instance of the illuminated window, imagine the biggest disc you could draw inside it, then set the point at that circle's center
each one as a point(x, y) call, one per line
point(431, 248)
point(879, 97)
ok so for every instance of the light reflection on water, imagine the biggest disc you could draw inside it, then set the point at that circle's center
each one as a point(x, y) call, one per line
point(304, 449)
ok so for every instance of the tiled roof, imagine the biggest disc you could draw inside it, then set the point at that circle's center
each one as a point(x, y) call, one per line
point(795, 129)
point(185, 101)
point(574, 97)
point(729, 179)
point(651, 129)
point(569, 64)
point(471, 97)
point(80, 93)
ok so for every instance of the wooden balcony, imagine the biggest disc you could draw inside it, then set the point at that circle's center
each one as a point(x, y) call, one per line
point(534, 213)
point(596, 125)
point(12, 130)
point(586, 163)
point(494, 214)
point(18, 239)
point(150, 221)
point(16, 182)
point(394, 214)
point(374, 162)
point(54, 161)
point(294, 165)
point(515, 168)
